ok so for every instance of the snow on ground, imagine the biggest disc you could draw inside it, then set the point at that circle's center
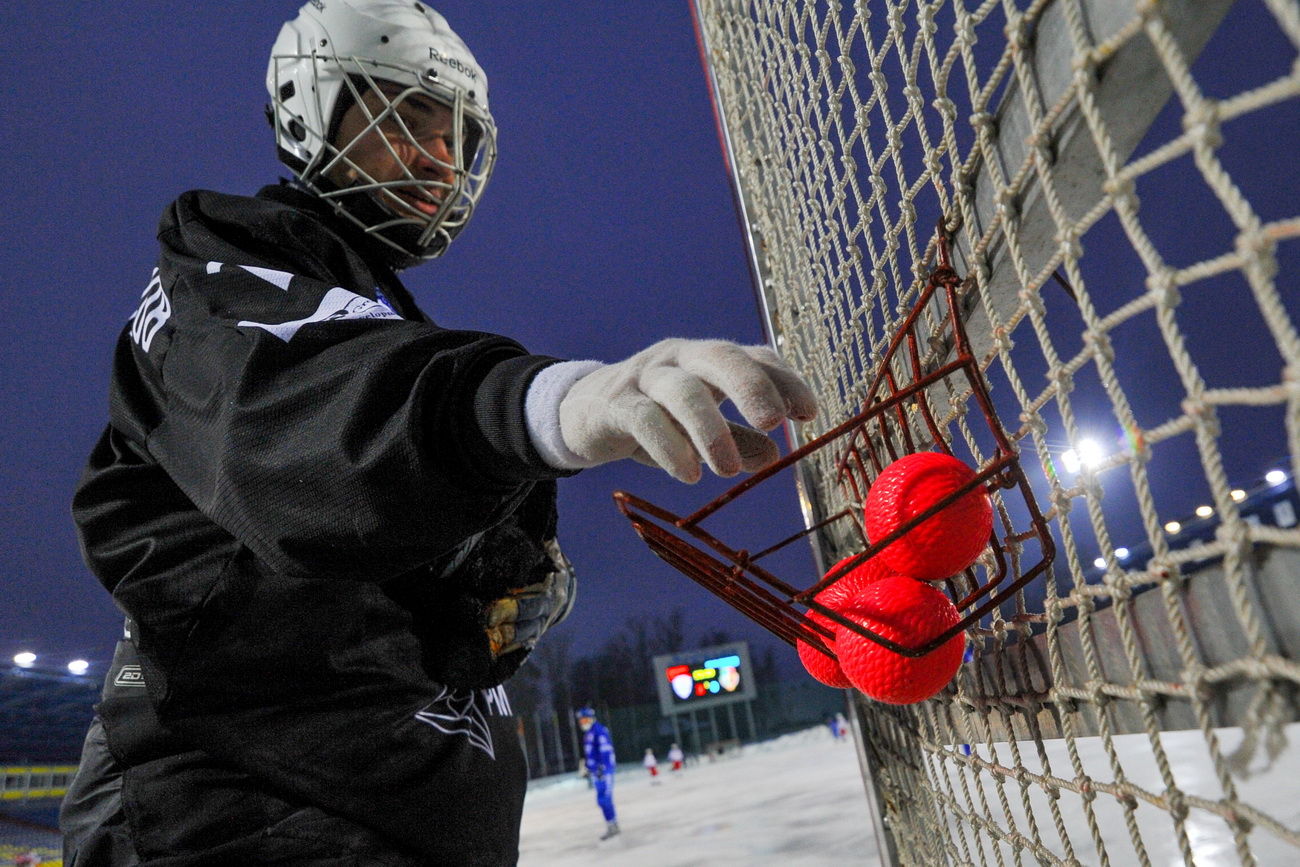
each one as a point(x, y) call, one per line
point(797, 801)
point(1272, 787)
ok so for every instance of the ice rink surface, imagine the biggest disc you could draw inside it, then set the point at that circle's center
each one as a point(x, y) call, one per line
point(795, 801)
point(799, 801)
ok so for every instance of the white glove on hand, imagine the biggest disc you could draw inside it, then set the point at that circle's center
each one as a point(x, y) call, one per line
point(660, 407)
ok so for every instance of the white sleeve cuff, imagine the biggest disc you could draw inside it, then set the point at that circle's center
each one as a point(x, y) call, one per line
point(542, 412)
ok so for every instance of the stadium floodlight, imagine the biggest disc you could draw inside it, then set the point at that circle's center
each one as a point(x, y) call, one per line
point(1121, 553)
point(26, 659)
point(1100, 562)
point(1275, 477)
point(1204, 511)
point(1087, 455)
point(1173, 527)
point(1238, 495)
point(78, 666)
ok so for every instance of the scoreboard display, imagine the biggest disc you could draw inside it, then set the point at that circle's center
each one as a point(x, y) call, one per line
point(704, 677)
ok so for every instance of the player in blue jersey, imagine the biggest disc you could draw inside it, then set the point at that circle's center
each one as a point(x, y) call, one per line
point(598, 752)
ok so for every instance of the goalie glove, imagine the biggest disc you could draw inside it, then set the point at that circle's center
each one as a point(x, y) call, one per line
point(518, 620)
point(660, 407)
point(479, 613)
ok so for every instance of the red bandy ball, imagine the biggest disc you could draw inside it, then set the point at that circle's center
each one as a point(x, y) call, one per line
point(945, 543)
point(819, 665)
point(910, 613)
point(845, 588)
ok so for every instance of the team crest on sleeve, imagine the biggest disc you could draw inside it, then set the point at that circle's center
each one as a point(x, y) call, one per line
point(338, 303)
point(152, 314)
point(465, 713)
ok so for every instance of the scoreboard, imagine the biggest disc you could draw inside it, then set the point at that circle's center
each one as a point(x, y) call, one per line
point(704, 677)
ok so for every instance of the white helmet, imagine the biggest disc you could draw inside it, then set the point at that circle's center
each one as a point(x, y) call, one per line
point(333, 54)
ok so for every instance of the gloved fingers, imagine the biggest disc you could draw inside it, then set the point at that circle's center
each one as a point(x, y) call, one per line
point(533, 608)
point(757, 450)
point(519, 635)
point(504, 610)
point(733, 371)
point(660, 438)
point(690, 402)
point(800, 401)
point(501, 638)
point(641, 456)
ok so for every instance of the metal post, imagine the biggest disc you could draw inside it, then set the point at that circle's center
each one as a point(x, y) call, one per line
point(731, 718)
point(577, 740)
point(749, 711)
point(695, 725)
point(888, 848)
point(559, 747)
point(541, 745)
point(523, 744)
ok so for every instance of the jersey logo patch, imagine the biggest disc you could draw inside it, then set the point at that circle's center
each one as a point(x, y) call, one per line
point(129, 675)
point(459, 713)
point(338, 303)
point(152, 314)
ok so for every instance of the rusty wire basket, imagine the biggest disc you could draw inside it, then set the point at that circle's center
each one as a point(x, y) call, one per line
point(929, 354)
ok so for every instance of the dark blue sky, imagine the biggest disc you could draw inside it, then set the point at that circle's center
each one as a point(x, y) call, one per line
point(608, 224)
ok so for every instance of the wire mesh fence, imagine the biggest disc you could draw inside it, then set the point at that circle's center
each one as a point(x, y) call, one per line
point(1118, 180)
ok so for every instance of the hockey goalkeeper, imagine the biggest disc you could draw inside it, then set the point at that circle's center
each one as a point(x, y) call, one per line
point(331, 523)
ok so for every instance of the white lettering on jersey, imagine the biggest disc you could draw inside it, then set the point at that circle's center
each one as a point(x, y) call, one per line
point(338, 303)
point(154, 311)
point(497, 701)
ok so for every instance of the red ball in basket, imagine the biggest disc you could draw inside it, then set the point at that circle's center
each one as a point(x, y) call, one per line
point(910, 613)
point(845, 588)
point(943, 544)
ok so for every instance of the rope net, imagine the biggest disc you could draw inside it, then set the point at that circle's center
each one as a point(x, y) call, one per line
point(1118, 180)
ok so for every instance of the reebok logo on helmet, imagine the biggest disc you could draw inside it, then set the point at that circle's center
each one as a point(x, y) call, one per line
point(454, 63)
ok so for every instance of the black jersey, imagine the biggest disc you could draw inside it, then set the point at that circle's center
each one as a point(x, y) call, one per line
point(290, 438)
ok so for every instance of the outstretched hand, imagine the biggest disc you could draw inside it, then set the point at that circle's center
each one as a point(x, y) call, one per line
point(661, 407)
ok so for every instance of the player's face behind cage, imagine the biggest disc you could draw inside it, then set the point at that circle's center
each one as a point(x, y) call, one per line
point(404, 149)
point(408, 174)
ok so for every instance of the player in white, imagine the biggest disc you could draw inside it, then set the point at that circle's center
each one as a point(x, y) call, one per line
point(651, 765)
point(676, 756)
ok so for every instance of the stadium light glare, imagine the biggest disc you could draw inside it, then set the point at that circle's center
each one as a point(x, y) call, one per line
point(1173, 527)
point(1086, 456)
point(1204, 511)
point(1100, 562)
point(25, 659)
point(1121, 553)
point(78, 666)
point(1238, 495)
point(1275, 477)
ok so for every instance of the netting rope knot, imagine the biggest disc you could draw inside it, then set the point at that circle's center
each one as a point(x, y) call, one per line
point(1163, 287)
point(1177, 802)
point(1201, 122)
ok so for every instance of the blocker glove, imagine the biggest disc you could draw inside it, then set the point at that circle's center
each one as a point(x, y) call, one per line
point(661, 407)
point(480, 613)
point(517, 620)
